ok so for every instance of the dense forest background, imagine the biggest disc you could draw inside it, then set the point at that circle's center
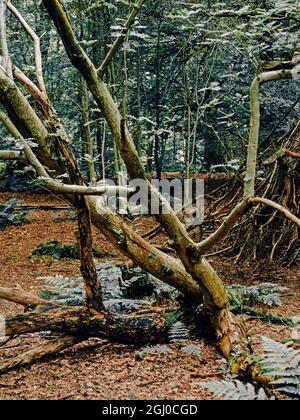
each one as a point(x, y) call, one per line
point(181, 78)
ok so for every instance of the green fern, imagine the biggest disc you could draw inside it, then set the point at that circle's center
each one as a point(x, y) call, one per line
point(66, 291)
point(178, 332)
point(234, 390)
point(267, 294)
point(116, 296)
point(279, 361)
point(283, 363)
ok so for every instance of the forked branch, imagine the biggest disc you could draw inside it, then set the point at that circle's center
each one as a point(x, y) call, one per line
point(237, 213)
point(37, 46)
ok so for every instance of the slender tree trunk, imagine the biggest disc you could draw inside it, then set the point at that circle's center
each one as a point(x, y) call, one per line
point(88, 138)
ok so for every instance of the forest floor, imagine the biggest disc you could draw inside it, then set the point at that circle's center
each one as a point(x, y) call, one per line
point(98, 369)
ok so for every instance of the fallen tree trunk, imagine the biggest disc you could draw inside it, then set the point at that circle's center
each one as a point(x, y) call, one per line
point(140, 327)
point(39, 352)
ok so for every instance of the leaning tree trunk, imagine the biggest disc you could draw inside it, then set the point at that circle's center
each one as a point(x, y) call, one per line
point(194, 280)
point(54, 153)
point(215, 294)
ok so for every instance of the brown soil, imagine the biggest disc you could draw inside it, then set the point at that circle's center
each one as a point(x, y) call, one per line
point(101, 370)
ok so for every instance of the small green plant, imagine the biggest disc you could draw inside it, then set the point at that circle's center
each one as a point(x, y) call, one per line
point(58, 251)
point(69, 216)
point(10, 215)
point(159, 349)
point(242, 300)
point(66, 291)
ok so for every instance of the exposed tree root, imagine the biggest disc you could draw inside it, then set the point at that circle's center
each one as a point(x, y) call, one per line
point(231, 336)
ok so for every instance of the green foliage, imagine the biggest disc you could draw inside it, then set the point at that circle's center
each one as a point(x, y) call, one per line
point(69, 216)
point(64, 290)
point(10, 215)
point(267, 294)
point(178, 332)
point(58, 251)
point(268, 318)
point(189, 67)
point(242, 300)
point(282, 363)
point(165, 349)
point(114, 282)
point(138, 286)
point(278, 361)
point(17, 177)
point(159, 349)
point(172, 317)
point(235, 390)
point(192, 349)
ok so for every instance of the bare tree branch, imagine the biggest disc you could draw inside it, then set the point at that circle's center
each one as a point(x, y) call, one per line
point(286, 212)
point(263, 78)
point(10, 127)
point(291, 153)
point(39, 352)
point(37, 46)
point(47, 181)
point(237, 213)
point(40, 98)
point(23, 117)
point(57, 187)
point(21, 297)
point(120, 39)
point(5, 61)
point(11, 155)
